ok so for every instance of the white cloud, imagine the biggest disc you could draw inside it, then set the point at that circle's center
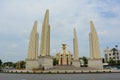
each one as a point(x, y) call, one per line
point(14, 45)
point(104, 32)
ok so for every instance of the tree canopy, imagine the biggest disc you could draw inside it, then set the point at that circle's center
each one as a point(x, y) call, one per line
point(111, 62)
point(0, 62)
point(55, 61)
point(85, 60)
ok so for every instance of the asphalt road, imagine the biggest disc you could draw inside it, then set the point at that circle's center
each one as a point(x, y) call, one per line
point(101, 76)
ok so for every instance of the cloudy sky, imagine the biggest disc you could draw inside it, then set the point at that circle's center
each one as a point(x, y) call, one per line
point(17, 18)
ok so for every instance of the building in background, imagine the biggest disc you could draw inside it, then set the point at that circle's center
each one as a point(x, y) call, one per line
point(112, 53)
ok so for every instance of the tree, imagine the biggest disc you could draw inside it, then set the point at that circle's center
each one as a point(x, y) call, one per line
point(111, 62)
point(22, 64)
point(118, 62)
point(0, 62)
point(55, 61)
point(103, 60)
point(85, 60)
point(14, 65)
point(8, 64)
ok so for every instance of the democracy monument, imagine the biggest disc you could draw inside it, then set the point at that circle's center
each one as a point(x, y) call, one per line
point(64, 57)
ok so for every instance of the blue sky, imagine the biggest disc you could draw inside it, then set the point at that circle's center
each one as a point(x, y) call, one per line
point(17, 18)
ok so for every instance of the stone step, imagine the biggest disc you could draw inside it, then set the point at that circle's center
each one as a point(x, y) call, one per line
point(70, 68)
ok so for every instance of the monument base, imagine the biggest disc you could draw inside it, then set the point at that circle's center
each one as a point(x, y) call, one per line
point(45, 62)
point(31, 64)
point(95, 63)
point(76, 63)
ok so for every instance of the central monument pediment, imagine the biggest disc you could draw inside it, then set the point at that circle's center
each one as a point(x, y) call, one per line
point(64, 57)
